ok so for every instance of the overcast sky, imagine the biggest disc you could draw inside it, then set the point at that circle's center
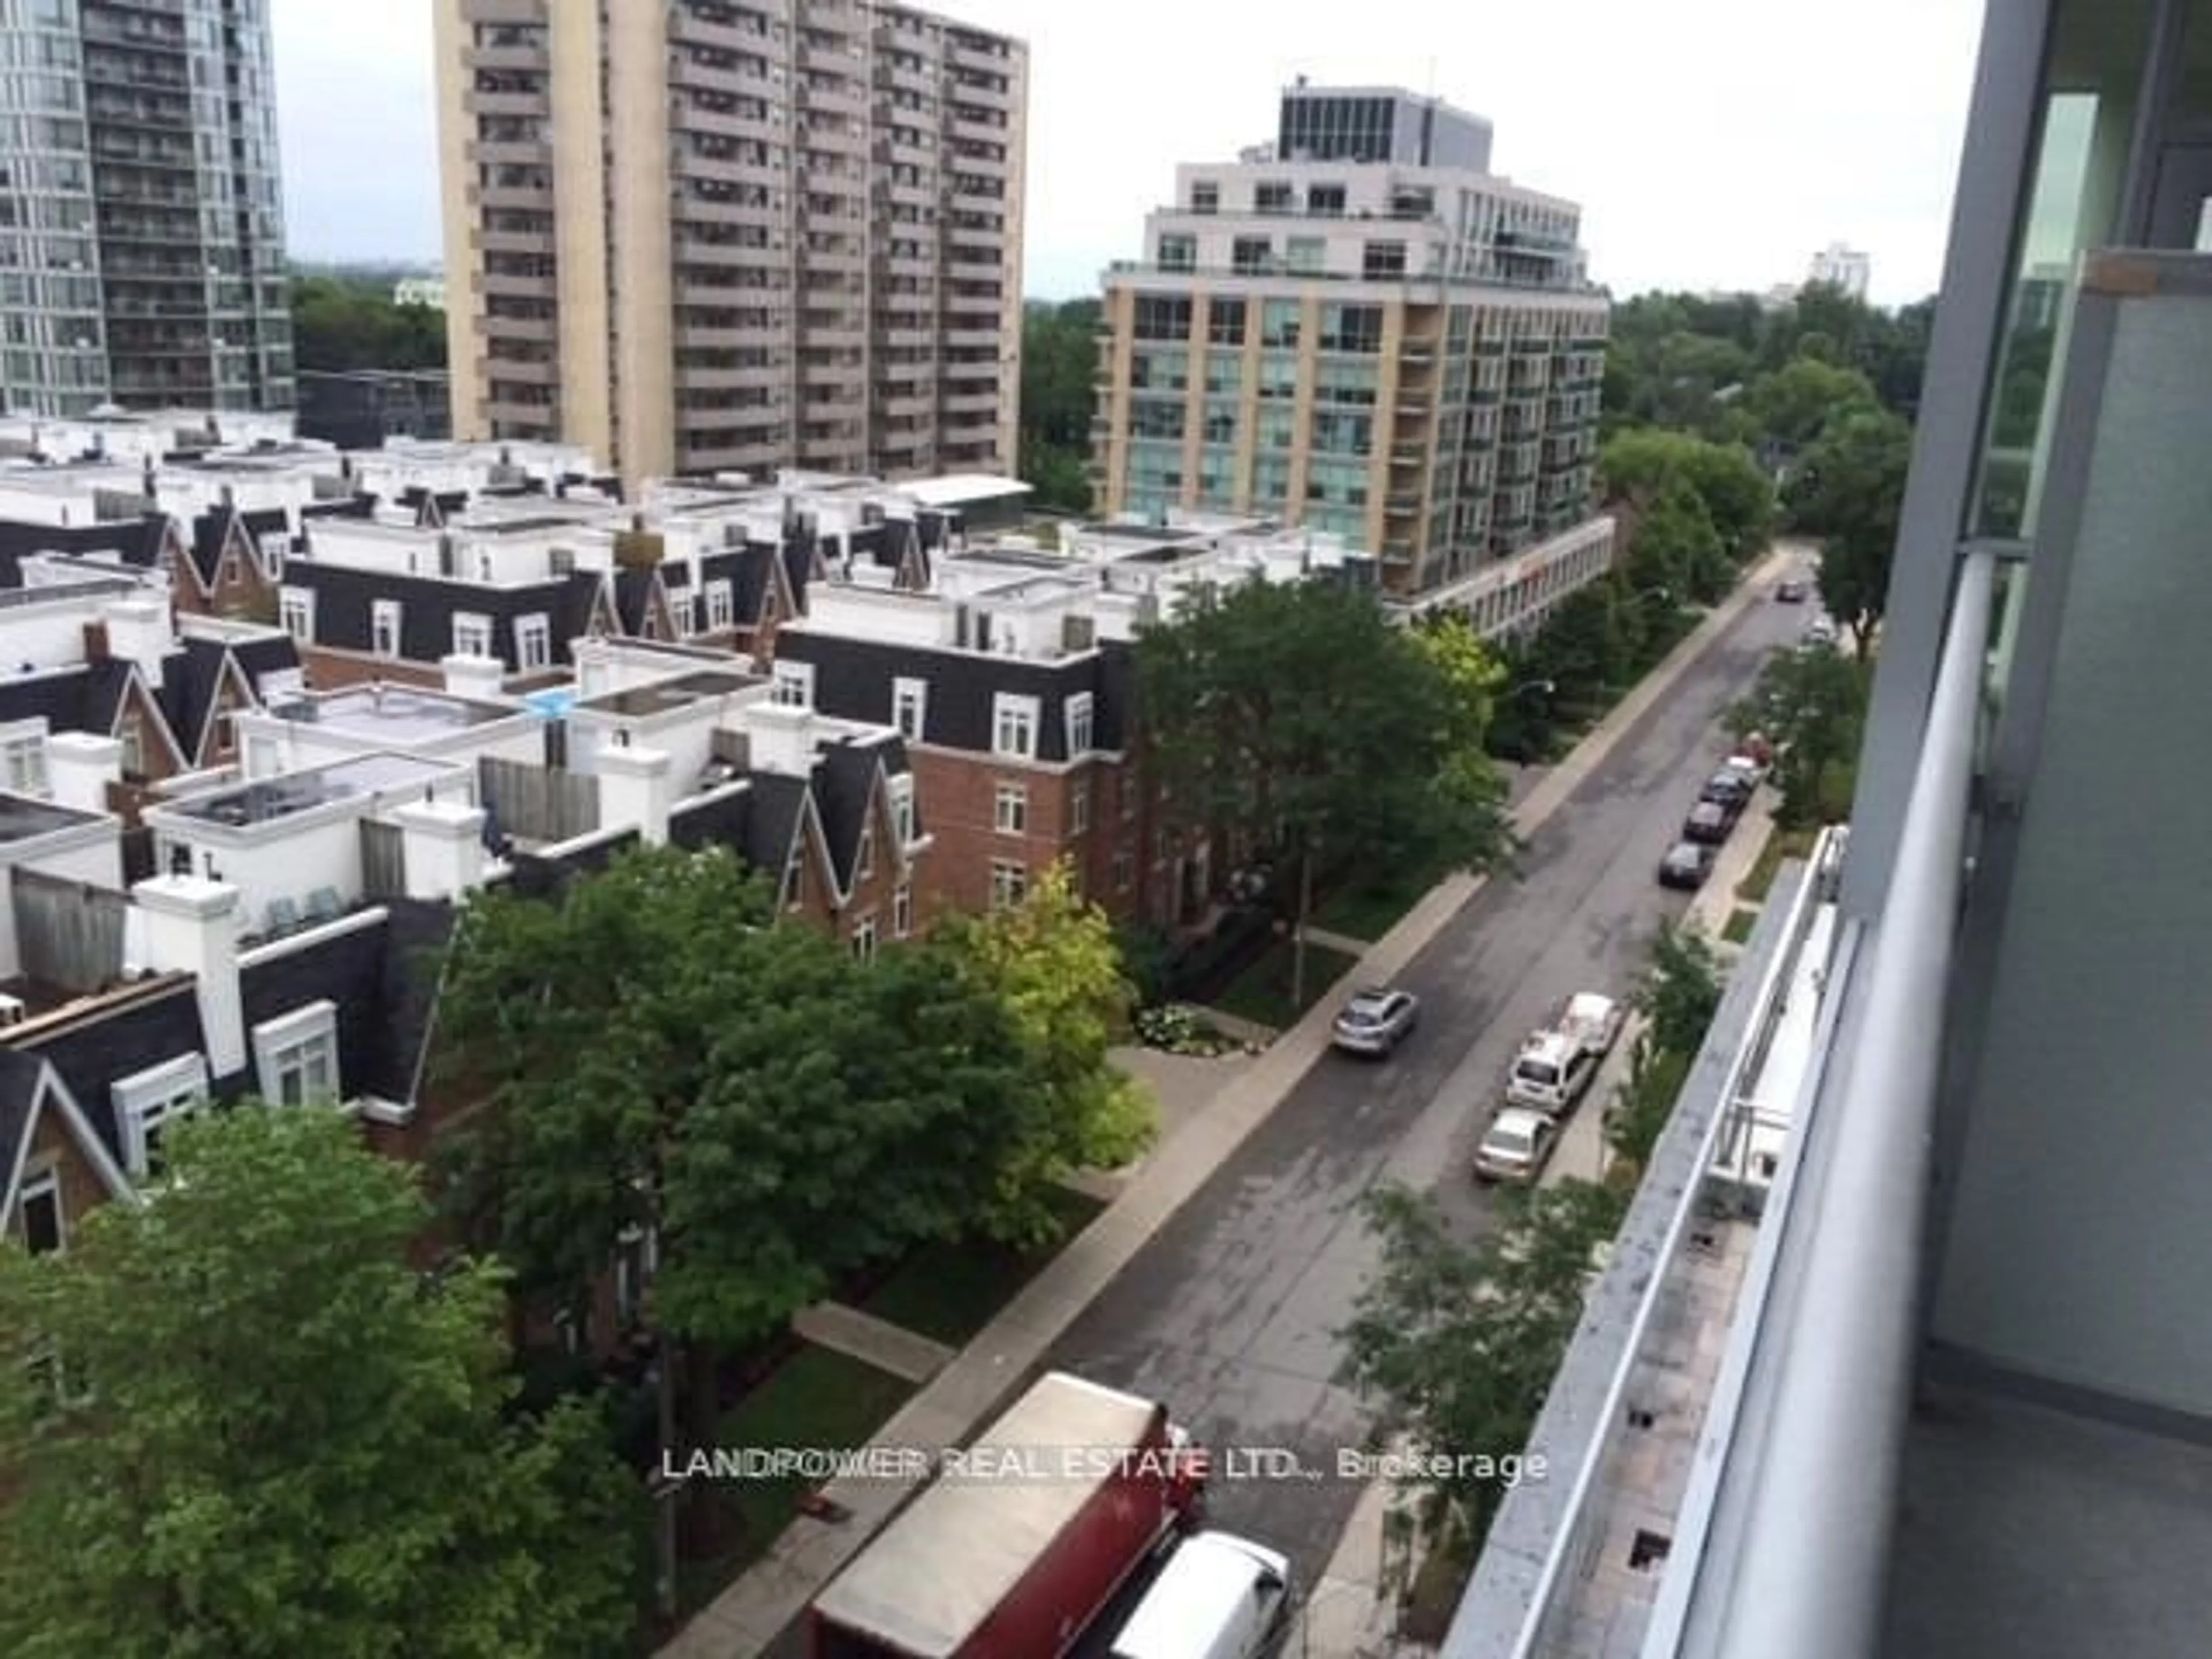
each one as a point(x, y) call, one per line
point(1712, 143)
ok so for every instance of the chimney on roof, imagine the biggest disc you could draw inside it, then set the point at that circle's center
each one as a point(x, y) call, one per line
point(780, 739)
point(80, 767)
point(442, 846)
point(636, 788)
point(137, 630)
point(190, 926)
point(96, 642)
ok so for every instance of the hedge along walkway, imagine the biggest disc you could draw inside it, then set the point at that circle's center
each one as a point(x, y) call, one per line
point(748, 1617)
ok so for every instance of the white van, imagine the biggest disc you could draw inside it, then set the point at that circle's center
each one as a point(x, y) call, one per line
point(1219, 1597)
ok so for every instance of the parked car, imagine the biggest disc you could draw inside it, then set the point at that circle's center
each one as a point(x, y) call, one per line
point(1793, 590)
point(1375, 1021)
point(1820, 631)
point(1709, 824)
point(1516, 1147)
point(1748, 769)
point(1551, 1073)
point(1686, 865)
point(1730, 788)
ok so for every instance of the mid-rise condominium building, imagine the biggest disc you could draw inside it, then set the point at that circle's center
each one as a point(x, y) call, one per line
point(711, 236)
point(1361, 330)
point(142, 236)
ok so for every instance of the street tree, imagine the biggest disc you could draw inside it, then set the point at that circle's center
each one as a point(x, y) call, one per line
point(275, 1438)
point(1677, 547)
point(1460, 1342)
point(1054, 964)
point(1810, 704)
point(1847, 490)
point(1681, 992)
point(1293, 721)
point(1642, 1102)
point(1588, 644)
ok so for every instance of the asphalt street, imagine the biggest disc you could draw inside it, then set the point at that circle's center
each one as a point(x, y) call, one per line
point(1229, 1313)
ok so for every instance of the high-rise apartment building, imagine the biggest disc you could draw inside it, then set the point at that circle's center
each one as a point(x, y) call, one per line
point(141, 234)
point(1359, 329)
point(1847, 267)
point(709, 235)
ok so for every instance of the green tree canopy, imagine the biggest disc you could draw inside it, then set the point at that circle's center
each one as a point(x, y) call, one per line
point(1702, 366)
point(1294, 719)
point(1736, 493)
point(1847, 490)
point(1054, 962)
point(1796, 403)
point(659, 1060)
point(1678, 547)
point(277, 1439)
point(1681, 992)
point(1461, 1342)
point(1059, 370)
point(344, 322)
point(1811, 703)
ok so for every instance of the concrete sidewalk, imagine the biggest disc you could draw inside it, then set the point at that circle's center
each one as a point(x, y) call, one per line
point(746, 1618)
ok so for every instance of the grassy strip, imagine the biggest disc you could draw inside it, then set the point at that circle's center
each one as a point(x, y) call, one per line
point(948, 1293)
point(1262, 993)
point(1781, 845)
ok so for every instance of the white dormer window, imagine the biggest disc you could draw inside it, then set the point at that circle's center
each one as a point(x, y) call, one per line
point(296, 607)
point(795, 684)
point(1014, 726)
point(274, 546)
point(721, 605)
point(472, 636)
point(296, 1055)
point(147, 1103)
point(910, 705)
point(533, 642)
point(384, 616)
point(1081, 726)
point(903, 808)
point(23, 759)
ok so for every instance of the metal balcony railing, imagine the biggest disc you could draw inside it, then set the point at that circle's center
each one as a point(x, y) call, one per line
point(1780, 1542)
point(1807, 1473)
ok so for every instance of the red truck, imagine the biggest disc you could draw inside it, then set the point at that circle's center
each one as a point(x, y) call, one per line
point(1024, 1536)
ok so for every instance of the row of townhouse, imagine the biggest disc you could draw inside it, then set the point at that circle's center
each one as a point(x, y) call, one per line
point(287, 941)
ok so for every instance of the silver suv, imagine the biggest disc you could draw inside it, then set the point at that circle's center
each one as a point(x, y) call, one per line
point(1375, 1021)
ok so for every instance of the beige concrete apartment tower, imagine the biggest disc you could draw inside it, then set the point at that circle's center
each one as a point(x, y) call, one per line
point(715, 236)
